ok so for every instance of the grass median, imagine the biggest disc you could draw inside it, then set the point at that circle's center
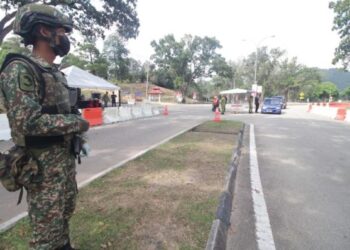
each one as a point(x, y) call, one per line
point(165, 199)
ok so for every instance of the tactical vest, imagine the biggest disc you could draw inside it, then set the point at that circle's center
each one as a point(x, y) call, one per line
point(54, 97)
point(18, 167)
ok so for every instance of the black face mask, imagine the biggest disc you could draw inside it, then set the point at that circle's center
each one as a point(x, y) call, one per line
point(63, 47)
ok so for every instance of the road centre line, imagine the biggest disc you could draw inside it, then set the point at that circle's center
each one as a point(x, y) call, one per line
point(263, 230)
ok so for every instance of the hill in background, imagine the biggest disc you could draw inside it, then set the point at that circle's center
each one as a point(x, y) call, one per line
point(337, 76)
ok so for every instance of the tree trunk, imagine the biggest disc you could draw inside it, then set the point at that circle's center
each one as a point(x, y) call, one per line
point(184, 92)
point(5, 30)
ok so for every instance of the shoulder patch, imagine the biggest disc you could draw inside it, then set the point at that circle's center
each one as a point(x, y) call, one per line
point(26, 82)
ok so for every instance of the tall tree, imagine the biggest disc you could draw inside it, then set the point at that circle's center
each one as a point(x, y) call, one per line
point(186, 60)
point(341, 23)
point(72, 59)
point(326, 90)
point(117, 57)
point(89, 20)
point(346, 93)
point(268, 62)
point(88, 51)
point(136, 71)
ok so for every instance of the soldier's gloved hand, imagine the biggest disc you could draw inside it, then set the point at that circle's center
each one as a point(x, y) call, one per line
point(83, 125)
point(85, 150)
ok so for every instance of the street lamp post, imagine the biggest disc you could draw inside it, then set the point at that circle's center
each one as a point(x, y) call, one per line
point(256, 56)
point(147, 72)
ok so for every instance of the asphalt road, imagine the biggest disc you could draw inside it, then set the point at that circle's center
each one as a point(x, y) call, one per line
point(304, 163)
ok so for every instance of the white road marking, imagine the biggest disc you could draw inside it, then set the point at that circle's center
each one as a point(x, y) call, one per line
point(263, 230)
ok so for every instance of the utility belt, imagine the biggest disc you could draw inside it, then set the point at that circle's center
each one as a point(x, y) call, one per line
point(43, 141)
point(40, 142)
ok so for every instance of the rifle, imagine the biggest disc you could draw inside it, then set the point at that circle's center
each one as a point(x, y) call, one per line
point(77, 140)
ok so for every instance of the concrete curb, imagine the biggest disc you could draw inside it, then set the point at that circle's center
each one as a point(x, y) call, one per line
point(12, 222)
point(218, 232)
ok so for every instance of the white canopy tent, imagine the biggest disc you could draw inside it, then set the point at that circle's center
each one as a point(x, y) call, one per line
point(78, 78)
point(238, 99)
point(234, 91)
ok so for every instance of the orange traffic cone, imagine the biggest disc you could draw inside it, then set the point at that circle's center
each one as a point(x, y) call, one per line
point(217, 117)
point(165, 112)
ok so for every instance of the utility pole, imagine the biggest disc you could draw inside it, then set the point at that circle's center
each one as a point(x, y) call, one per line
point(256, 55)
point(147, 72)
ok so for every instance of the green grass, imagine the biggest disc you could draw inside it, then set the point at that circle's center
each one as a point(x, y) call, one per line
point(165, 199)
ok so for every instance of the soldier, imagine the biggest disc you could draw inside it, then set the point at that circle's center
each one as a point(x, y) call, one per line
point(114, 97)
point(250, 102)
point(36, 97)
point(223, 101)
point(106, 99)
point(257, 102)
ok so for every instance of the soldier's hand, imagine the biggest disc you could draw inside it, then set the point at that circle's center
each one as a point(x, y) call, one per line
point(83, 125)
point(85, 150)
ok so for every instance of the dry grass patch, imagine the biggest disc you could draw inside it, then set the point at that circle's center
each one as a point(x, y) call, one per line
point(165, 199)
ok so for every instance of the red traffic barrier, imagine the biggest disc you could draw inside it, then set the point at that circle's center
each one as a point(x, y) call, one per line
point(93, 116)
point(217, 117)
point(339, 104)
point(341, 114)
point(166, 112)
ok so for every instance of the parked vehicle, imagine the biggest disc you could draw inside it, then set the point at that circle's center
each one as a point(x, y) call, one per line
point(283, 101)
point(272, 105)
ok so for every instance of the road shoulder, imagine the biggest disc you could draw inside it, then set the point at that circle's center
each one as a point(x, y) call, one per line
point(241, 234)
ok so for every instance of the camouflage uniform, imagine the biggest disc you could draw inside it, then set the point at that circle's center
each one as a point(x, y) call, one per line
point(51, 204)
point(223, 104)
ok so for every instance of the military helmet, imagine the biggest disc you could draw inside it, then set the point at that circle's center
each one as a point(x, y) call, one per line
point(31, 14)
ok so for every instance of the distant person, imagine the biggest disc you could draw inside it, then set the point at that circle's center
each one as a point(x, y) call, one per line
point(223, 101)
point(106, 99)
point(215, 103)
point(250, 101)
point(114, 97)
point(257, 102)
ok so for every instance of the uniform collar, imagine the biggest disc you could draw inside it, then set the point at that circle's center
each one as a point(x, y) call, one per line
point(39, 60)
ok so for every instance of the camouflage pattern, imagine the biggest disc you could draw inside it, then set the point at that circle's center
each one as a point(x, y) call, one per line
point(18, 169)
point(52, 202)
point(223, 104)
point(30, 14)
point(250, 101)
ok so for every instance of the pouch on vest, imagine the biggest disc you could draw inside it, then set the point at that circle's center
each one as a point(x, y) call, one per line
point(18, 169)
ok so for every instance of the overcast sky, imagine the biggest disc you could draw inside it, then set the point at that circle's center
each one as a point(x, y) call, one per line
point(302, 27)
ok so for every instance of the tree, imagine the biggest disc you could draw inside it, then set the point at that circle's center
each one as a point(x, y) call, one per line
point(12, 45)
point(137, 72)
point(75, 60)
point(117, 57)
point(186, 60)
point(326, 90)
point(341, 23)
point(89, 20)
point(346, 93)
point(88, 51)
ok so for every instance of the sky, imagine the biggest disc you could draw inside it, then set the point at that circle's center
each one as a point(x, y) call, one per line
point(301, 27)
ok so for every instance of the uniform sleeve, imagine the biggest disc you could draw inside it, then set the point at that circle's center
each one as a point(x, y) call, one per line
point(23, 108)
